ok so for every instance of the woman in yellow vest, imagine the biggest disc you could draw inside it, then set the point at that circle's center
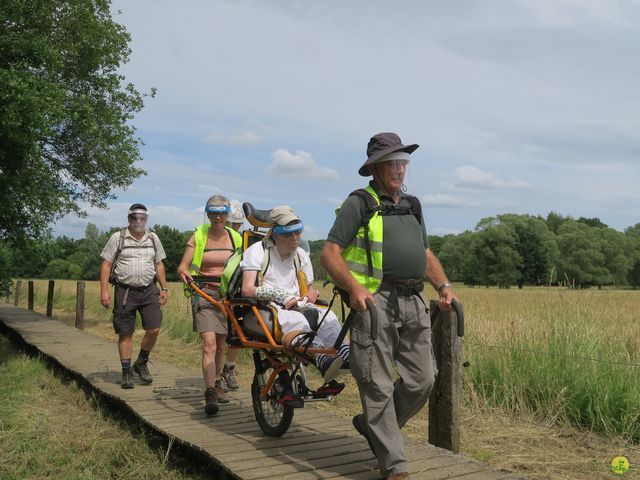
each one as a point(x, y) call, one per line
point(206, 253)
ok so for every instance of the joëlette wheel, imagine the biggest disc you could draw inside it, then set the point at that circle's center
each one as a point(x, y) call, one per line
point(274, 418)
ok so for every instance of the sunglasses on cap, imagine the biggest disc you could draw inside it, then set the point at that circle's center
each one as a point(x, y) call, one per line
point(288, 230)
point(218, 209)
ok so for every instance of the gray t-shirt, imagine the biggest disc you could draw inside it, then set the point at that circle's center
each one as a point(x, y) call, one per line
point(404, 240)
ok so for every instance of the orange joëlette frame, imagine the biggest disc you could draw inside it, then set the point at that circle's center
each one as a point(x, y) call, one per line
point(225, 307)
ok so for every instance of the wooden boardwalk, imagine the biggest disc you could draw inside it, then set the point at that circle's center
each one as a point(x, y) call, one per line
point(318, 445)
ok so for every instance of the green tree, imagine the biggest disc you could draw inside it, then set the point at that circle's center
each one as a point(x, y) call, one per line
point(173, 242)
point(453, 255)
point(65, 134)
point(582, 261)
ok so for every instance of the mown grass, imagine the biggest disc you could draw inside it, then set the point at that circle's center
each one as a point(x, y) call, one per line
point(52, 430)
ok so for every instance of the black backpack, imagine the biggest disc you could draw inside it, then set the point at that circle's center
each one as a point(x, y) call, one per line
point(368, 208)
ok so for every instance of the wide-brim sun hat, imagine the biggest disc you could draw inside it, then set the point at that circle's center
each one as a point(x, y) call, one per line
point(383, 144)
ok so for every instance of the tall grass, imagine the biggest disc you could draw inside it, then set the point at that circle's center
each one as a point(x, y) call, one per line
point(564, 355)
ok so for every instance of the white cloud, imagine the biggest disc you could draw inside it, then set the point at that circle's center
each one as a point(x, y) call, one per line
point(234, 138)
point(472, 177)
point(299, 165)
point(446, 201)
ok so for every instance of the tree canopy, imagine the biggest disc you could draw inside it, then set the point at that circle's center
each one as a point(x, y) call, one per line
point(66, 140)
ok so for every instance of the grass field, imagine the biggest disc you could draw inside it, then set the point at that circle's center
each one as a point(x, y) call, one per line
point(552, 390)
point(50, 429)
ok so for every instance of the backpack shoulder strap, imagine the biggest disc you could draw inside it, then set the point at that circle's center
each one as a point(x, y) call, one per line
point(123, 234)
point(266, 259)
point(368, 204)
point(155, 247)
point(416, 207)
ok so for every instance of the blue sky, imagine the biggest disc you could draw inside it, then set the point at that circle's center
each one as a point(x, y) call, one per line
point(518, 106)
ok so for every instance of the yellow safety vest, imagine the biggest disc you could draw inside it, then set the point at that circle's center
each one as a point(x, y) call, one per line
point(200, 239)
point(365, 264)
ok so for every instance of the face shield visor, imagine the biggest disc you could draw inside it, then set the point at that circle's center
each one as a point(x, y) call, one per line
point(138, 222)
point(212, 211)
point(288, 230)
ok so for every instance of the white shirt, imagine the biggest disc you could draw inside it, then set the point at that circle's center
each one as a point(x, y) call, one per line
point(281, 273)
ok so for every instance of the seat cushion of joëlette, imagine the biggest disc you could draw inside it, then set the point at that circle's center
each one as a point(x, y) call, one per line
point(252, 328)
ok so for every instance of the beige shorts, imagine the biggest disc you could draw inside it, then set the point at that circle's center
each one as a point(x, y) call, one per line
point(206, 317)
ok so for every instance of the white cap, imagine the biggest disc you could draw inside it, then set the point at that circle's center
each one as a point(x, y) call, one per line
point(236, 215)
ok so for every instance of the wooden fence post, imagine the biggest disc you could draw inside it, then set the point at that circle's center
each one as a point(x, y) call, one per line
point(30, 296)
point(444, 403)
point(17, 297)
point(50, 298)
point(80, 306)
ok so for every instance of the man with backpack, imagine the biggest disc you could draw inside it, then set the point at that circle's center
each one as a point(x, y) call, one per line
point(377, 249)
point(133, 264)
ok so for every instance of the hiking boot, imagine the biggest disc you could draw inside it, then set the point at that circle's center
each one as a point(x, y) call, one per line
point(140, 367)
point(358, 424)
point(222, 397)
point(229, 377)
point(210, 401)
point(127, 378)
point(330, 367)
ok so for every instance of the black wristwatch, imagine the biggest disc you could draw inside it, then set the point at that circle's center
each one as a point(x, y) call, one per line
point(442, 287)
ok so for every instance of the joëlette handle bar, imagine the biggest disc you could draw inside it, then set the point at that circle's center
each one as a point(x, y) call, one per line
point(457, 306)
point(214, 302)
point(349, 320)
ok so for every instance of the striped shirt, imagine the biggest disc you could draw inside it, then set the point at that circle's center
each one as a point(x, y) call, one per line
point(136, 264)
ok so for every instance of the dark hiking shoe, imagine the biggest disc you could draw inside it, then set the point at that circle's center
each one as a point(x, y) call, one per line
point(358, 424)
point(330, 367)
point(140, 367)
point(222, 397)
point(127, 378)
point(210, 402)
point(229, 377)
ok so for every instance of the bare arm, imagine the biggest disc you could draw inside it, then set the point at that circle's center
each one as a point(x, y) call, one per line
point(249, 284)
point(437, 277)
point(331, 259)
point(105, 270)
point(162, 278)
point(185, 263)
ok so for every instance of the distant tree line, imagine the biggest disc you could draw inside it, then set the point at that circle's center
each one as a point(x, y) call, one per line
point(505, 250)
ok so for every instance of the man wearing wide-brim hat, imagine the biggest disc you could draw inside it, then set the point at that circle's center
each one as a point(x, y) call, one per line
point(377, 249)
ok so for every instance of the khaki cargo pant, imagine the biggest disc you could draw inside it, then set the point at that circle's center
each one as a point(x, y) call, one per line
point(404, 341)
